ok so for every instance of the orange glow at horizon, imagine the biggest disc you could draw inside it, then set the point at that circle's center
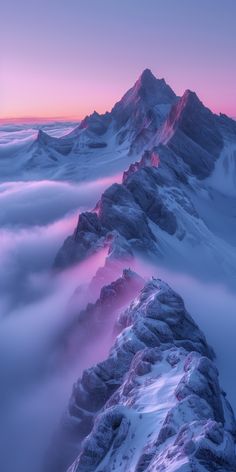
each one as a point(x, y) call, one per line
point(83, 56)
point(33, 97)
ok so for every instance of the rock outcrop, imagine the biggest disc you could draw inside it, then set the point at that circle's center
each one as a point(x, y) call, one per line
point(126, 212)
point(149, 114)
point(192, 131)
point(155, 403)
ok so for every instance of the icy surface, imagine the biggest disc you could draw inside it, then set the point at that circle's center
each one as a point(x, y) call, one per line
point(156, 400)
point(165, 167)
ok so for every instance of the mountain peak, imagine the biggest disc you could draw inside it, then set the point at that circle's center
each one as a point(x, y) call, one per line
point(43, 138)
point(148, 87)
point(188, 101)
point(146, 76)
point(191, 97)
point(147, 93)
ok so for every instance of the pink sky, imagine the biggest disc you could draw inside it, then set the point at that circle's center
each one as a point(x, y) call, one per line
point(66, 59)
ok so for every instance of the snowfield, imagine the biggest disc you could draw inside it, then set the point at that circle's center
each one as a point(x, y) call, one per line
point(89, 213)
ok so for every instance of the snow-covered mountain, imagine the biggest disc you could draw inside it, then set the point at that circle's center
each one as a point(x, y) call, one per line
point(177, 201)
point(110, 140)
point(149, 114)
point(162, 212)
point(155, 403)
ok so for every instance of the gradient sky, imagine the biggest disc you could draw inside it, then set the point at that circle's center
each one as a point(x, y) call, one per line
point(69, 57)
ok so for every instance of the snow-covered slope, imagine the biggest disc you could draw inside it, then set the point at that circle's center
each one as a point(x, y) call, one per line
point(223, 178)
point(160, 212)
point(110, 140)
point(147, 115)
point(154, 403)
point(192, 131)
point(171, 203)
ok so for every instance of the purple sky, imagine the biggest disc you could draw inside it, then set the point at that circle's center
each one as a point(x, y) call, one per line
point(69, 57)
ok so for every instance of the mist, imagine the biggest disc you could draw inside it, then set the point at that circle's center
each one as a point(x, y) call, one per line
point(14, 135)
point(36, 369)
point(41, 355)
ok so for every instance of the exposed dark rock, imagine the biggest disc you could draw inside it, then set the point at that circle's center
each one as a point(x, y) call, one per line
point(192, 132)
point(151, 345)
point(139, 103)
point(97, 145)
point(61, 145)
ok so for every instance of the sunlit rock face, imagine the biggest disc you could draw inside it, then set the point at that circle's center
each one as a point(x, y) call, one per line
point(149, 114)
point(149, 159)
point(124, 209)
point(143, 109)
point(155, 403)
point(192, 131)
point(124, 131)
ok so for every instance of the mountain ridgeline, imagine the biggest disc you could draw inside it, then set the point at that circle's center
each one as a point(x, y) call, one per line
point(155, 402)
point(148, 115)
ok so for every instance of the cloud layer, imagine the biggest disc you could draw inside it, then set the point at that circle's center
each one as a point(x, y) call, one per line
point(35, 375)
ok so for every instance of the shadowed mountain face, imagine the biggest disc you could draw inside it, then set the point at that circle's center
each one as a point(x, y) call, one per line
point(153, 402)
point(143, 106)
point(191, 131)
point(149, 114)
point(176, 147)
point(162, 212)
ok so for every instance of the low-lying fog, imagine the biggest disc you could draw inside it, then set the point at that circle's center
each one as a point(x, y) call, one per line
point(35, 376)
point(18, 134)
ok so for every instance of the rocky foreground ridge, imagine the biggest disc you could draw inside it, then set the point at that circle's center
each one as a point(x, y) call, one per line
point(155, 403)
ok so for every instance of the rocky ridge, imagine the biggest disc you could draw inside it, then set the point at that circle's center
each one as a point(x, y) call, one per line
point(155, 402)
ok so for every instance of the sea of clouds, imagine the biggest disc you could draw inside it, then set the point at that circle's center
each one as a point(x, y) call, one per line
point(14, 135)
point(35, 379)
point(35, 375)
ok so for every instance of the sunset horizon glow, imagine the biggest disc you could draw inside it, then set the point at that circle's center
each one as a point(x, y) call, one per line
point(67, 63)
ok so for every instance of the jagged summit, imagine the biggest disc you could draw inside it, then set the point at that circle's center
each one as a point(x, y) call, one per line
point(192, 131)
point(95, 123)
point(149, 114)
point(144, 107)
point(43, 138)
point(189, 102)
point(149, 90)
point(138, 104)
point(61, 145)
point(148, 81)
point(147, 74)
